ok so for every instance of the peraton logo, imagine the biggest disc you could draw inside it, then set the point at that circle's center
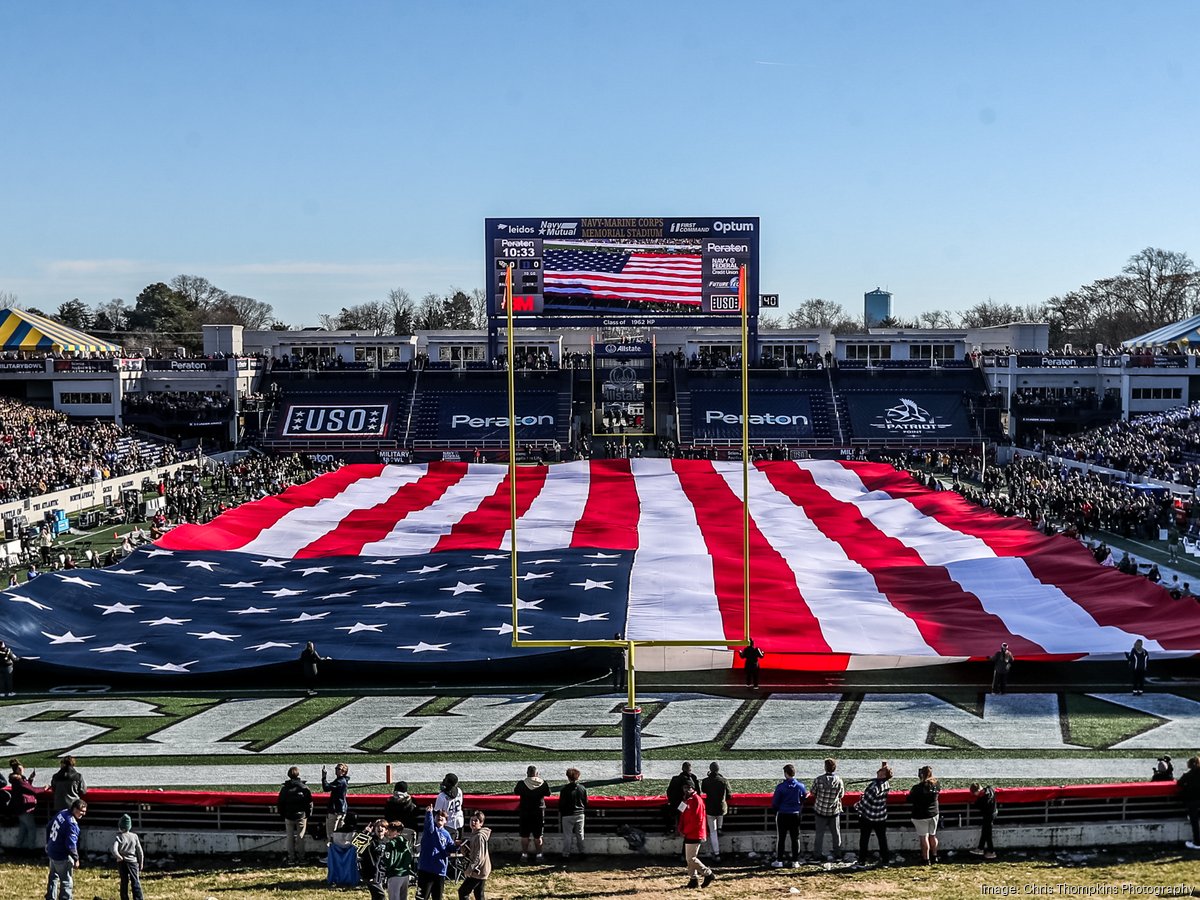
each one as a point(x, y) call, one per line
point(908, 416)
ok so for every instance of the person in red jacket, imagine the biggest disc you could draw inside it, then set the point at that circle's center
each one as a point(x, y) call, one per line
point(694, 828)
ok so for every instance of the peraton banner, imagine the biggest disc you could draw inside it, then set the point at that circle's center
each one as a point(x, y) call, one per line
point(486, 418)
point(772, 416)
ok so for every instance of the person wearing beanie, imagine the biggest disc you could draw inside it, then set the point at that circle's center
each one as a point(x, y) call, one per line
point(450, 801)
point(400, 807)
point(127, 851)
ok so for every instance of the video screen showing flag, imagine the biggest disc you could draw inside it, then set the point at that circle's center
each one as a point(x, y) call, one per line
point(667, 277)
point(612, 272)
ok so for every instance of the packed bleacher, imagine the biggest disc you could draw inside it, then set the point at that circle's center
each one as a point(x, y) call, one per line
point(176, 406)
point(41, 451)
point(1164, 446)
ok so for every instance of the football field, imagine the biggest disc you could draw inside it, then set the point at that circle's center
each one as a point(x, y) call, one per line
point(247, 739)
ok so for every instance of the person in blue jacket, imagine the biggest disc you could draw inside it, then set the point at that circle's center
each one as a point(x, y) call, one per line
point(436, 846)
point(62, 848)
point(787, 805)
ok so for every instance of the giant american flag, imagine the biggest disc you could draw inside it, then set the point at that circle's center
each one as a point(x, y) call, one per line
point(638, 276)
point(851, 564)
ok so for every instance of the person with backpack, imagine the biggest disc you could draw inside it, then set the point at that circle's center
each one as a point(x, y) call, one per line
point(295, 805)
point(984, 801)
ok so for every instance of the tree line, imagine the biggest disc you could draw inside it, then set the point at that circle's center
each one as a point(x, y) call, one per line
point(1155, 288)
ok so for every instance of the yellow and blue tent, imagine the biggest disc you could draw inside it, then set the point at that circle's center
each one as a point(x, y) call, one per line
point(27, 332)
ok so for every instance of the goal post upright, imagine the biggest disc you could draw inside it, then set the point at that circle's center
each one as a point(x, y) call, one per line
point(631, 714)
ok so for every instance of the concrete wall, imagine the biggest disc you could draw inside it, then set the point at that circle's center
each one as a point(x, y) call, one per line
point(1083, 836)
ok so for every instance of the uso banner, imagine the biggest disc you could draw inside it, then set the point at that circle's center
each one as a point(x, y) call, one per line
point(485, 418)
point(910, 415)
point(337, 420)
point(773, 417)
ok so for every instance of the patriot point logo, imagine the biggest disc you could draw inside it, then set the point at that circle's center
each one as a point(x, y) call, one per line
point(908, 416)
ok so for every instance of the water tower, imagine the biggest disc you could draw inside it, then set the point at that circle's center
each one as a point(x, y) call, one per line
point(877, 306)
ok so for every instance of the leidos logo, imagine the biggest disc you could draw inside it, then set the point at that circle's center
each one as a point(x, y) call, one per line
point(515, 229)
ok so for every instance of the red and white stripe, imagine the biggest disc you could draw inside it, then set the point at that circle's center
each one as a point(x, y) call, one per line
point(672, 277)
point(847, 559)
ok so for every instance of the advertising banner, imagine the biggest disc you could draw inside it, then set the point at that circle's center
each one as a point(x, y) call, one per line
point(773, 417)
point(925, 416)
point(337, 420)
point(485, 418)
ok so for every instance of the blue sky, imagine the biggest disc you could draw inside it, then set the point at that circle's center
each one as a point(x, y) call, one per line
point(314, 155)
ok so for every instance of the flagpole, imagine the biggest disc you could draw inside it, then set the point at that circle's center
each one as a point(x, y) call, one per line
point(745, 452)
point(512, 443)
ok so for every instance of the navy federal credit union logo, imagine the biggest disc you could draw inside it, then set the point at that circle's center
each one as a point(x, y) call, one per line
point(336, 420)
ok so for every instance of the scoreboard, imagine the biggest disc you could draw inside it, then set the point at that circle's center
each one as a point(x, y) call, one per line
point(622, 271)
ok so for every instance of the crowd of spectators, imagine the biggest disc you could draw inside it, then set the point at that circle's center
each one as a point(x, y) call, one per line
point(1163, 446)
point(171, 406)
point(41, 451)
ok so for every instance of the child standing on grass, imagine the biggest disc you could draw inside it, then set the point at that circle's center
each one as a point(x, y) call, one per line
point(127, 851)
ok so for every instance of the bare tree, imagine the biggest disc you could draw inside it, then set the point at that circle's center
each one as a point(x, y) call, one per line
point(403, 311)
point(199, 293)
point(255, 315)
point(479, 304)
point(935, 318)
point(820, 313)
point(8, 300)
point(1163, 287)
point(431, 314)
